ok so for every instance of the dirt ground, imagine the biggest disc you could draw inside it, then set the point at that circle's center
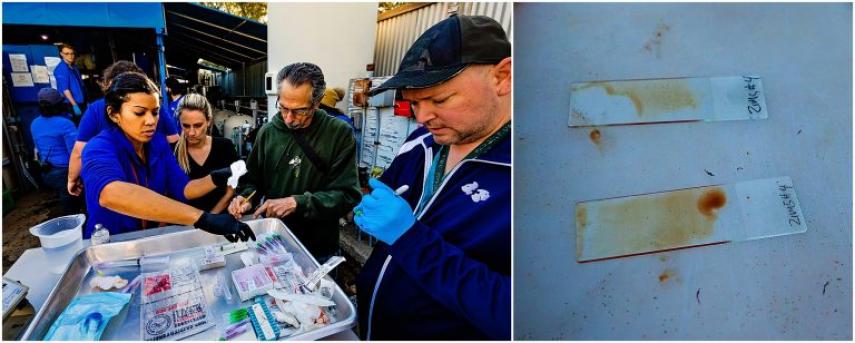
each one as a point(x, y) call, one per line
point(30, 209)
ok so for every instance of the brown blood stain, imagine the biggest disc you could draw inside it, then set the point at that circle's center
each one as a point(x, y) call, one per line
point(650, 97)
point(711, 201)
point(596, 136)
point(581, 222)
point(652, 222)
point(667, 274)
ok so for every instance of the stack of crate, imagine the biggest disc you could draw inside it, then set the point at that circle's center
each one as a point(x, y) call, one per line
point(380, 133)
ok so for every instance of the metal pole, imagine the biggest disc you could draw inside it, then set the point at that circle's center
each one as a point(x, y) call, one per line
point(243, 66)
point(15, 143)
point(161, 61)
point(253, 104)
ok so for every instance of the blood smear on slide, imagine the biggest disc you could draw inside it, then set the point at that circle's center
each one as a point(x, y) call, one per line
point(684, 218)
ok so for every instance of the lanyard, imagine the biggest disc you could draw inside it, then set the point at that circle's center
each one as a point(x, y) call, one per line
point(137, 181)
point(428, 188)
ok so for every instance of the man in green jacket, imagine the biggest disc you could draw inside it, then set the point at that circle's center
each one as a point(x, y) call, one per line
point(303, 164)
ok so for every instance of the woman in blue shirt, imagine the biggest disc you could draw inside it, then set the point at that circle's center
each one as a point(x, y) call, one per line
point(53, 134)
point(95, 120)
point(132, 179)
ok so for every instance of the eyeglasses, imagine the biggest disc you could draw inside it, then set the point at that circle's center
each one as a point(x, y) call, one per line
point(297, 112)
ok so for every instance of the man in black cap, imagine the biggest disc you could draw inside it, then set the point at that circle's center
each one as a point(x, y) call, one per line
point(442, 210)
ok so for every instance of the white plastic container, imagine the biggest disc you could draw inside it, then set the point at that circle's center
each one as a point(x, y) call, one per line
point(61, 238)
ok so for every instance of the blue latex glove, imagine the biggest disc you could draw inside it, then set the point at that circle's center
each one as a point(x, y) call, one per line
point(383, 214)
point(76, 110)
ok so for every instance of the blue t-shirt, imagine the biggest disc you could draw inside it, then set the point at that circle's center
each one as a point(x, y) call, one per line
point(173, 105)
point(54, 138)
point(110, 157)
point(68, 78)
point(95, 120)
point(346, 119)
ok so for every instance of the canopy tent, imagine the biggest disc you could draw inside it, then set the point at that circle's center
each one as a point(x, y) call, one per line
point(90, 14)
point(196, 31)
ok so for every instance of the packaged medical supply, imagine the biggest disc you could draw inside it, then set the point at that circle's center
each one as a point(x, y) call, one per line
point(211, 258)
point(263, 322)
point(254, 280)
point(173, 304)
point(237, 326)
point(175, 317)
point(222, 289)
point(86, 318)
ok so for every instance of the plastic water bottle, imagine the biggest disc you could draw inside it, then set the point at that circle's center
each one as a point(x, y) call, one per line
point(101, 235)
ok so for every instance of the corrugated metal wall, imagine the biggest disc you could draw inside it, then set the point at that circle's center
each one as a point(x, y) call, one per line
point(396, 34)
point(233, 81)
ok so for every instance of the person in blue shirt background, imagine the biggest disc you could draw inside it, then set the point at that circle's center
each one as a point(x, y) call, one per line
point(133, 181)
point(95, 120)
point(68, 80)
point(54, 134)
point(176, 92)
point(331, 97)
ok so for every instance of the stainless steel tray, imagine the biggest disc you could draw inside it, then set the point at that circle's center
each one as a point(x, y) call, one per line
point(178, 245)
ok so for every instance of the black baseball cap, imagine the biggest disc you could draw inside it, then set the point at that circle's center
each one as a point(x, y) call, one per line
point(448, 47)
point(50, 96)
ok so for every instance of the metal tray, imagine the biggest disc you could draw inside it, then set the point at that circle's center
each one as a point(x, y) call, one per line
point(178, 245)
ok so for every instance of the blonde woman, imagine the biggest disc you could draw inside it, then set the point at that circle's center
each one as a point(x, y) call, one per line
point(199, 153)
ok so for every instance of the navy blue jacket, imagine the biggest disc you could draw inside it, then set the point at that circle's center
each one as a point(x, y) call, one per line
point(449, 275)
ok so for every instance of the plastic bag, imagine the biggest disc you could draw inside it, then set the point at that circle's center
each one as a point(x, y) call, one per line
point(173, 304)
point(87, 316)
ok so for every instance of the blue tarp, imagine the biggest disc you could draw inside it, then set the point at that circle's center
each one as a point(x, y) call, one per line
point(108, 15)
point(126, 15)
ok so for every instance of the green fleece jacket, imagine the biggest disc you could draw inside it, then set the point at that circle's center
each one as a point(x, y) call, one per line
point(278, 168)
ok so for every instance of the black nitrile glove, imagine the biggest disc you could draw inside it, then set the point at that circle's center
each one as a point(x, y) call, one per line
point(226, 225)
point(220, 176)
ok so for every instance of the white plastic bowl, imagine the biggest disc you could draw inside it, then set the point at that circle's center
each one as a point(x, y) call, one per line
point(61, 238)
